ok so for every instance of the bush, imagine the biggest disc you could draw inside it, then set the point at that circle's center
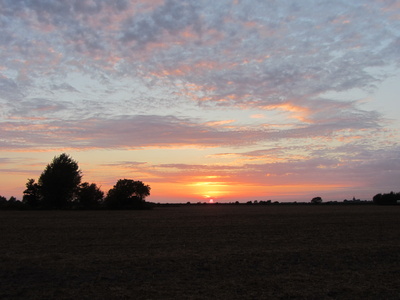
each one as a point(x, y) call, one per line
point(316, 200)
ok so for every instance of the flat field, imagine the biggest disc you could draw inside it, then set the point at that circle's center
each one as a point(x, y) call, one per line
point(202, 252)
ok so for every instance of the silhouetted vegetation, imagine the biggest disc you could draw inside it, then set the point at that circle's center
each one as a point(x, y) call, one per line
point(89, 196)
point(127, 194)
point(32, 194)
point(60, 187)
point(12, 203)
point(59, 183)
point(387, 199)
point(316, 200)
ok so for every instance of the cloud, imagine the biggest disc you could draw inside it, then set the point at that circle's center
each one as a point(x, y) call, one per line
point(172, 16)
point(238, 54)
point(139, 131)
point(36, 107)
point(10, 90)
point(64, 87)
point(125, 132)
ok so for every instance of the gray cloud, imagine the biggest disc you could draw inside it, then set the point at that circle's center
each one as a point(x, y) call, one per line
point(64, 87)
point(173, 16)
point(263, 52)
point(9, 89)
point(36, 107)
point(154, 130)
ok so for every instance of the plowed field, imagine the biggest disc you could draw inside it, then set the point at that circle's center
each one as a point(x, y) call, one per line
point(202, 252)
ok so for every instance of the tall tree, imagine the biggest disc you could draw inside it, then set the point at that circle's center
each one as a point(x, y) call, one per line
point(59, 182)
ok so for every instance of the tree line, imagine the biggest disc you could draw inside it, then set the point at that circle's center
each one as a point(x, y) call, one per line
point(387, 199)
point(60, 186)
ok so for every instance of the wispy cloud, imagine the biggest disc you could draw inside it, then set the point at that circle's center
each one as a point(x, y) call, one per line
point(140, 131)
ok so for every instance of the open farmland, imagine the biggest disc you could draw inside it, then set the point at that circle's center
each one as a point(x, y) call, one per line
point(202, 252)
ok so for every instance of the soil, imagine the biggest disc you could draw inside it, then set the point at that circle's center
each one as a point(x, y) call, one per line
point(202, 252)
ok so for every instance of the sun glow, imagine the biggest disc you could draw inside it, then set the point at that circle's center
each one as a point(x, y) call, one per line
point(210, 190)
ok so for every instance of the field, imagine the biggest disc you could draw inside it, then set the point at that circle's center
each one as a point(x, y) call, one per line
point(202, 252)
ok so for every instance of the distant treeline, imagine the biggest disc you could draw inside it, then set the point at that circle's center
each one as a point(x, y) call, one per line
point(268, 202)
point(387, 199)
point(15, 204)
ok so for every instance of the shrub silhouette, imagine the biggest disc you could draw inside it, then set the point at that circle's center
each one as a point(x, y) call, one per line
point(316, 200)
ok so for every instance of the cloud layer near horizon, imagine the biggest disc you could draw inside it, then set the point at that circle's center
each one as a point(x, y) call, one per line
point(239, 75)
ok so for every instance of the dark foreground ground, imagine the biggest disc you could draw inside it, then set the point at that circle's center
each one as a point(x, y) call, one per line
point(202, 252)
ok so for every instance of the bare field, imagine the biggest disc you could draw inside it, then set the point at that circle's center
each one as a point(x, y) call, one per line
point(202, 252)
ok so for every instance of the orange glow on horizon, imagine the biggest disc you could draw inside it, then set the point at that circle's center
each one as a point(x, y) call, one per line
point(226, 192)
point(209, 189)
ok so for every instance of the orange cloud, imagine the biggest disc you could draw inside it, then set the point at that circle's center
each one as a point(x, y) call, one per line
point(257, 116)
point(199, 67)
point(298, 112)
point(219, 123)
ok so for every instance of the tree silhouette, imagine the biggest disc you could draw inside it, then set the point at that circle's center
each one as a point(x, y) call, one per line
point(316, 200)
point(141, 190)
point(3, 202)
point(127, 193)
point(31, 195)
point(59, 182)
point(11, 203)
point(89, 196)
point(386, 199)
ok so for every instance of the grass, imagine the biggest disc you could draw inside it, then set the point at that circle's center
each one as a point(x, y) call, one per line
point(202, 252)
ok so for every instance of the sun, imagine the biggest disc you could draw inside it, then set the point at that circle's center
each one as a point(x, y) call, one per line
point(209, 199)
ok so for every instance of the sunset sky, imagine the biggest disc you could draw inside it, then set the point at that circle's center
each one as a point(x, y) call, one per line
point(224, 100)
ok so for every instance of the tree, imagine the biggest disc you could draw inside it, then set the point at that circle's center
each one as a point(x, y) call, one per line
point(316, 200)
point(141, 190)
point(3, 202)
point(11, 203)
point(386, 199)
point(59, 182)
point(31, 194)
point(89, 196)
point(127, 193)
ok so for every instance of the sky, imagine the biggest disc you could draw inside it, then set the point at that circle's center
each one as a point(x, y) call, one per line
point(229, 100)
